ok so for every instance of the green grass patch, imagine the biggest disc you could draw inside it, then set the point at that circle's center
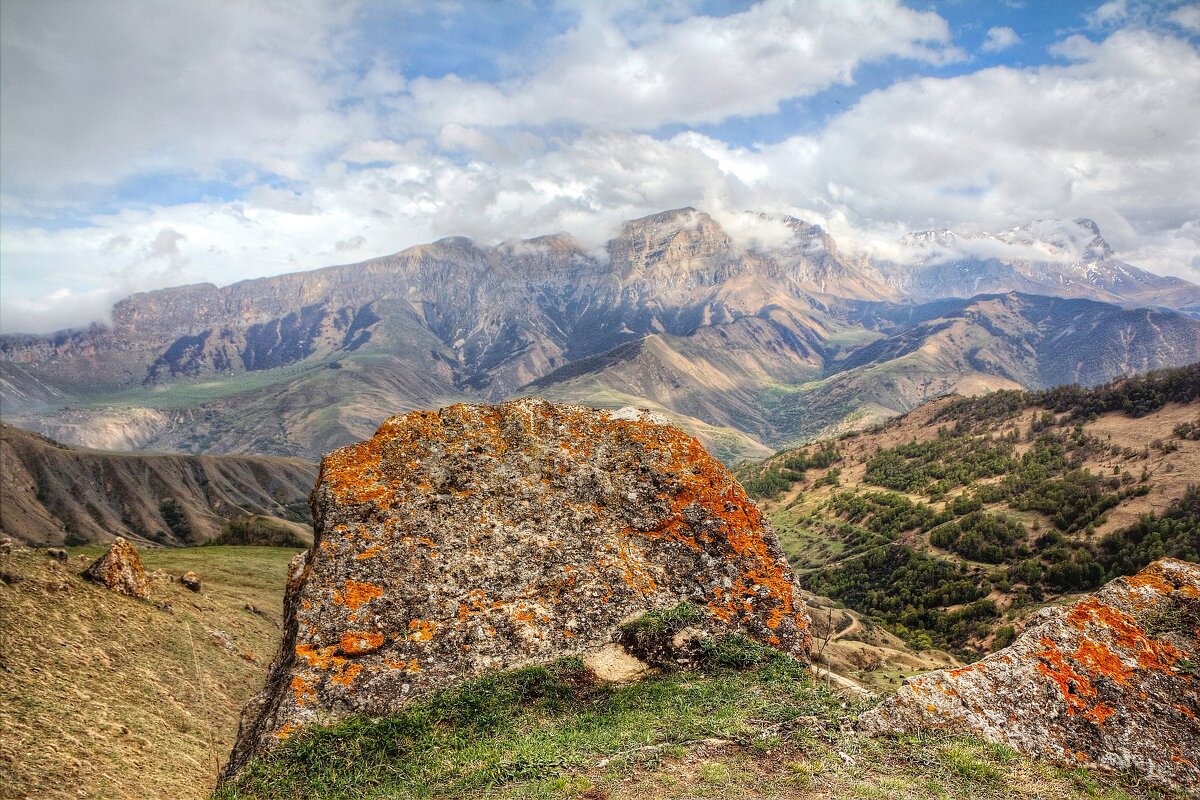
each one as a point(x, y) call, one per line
point(530, 726)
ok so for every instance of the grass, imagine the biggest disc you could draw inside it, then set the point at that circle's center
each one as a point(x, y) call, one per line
point(549, 732)
point(529, 726)
point(104, 696)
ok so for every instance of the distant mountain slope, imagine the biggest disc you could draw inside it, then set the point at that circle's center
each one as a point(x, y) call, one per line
point(784, 383)
point(51, 493)
point(750, 346)
point(954, 522)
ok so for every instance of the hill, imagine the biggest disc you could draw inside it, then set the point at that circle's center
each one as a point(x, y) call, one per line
point(145, 702)
point(953, 523)
point(750, 347)
point(104, 696)
point(54, 494)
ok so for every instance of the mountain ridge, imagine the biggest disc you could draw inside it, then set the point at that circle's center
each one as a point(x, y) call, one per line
point(736, 337)
point(54, 494)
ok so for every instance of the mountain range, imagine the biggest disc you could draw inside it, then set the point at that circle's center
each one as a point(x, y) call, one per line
point(749, 347)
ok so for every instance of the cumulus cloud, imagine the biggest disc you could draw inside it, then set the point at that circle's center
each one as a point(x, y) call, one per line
point(100, 90)
point(998, 39)
point(1110, 132)
point(1111, 136)
point(1186, 17)
point(696, 70)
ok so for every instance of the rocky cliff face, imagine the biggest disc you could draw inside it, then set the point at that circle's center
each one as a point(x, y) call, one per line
point(1109, 681)
point(481, 538)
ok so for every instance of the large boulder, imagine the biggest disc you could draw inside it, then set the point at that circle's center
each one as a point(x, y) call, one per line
point(481, 538)
point(120, 570)
point(1110, 681)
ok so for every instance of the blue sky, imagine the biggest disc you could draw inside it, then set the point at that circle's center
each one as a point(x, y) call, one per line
point(146, 143)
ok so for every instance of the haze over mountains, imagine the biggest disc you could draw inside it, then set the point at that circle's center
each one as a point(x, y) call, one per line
point(750, 347)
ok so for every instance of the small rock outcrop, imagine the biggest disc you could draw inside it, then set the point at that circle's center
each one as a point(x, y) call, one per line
point(1110, 681)
point(482, 538)
point(190, 580)
point(58, 554)
point(120, 570)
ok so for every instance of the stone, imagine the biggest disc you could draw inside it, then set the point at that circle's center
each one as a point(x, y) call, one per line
point(58, 554)
point(1108, 682)
point(190, 580)
point(120, 570)
point(481, 538)
point(613, 664)
point(6, 546)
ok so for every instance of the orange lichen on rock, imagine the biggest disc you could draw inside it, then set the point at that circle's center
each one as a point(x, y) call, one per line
point(1151, 653)
point(1076, 688)
point(1099, 660)
point(287, 730)
point(576, 520)
point(302, 689)
point(1099, 713)
point(421, 630)
point(1153, 579)
point(346, 675)
point(370, 552)
point(320, 657)
point(1096, 682)
point(357, 643)
point(356, 594)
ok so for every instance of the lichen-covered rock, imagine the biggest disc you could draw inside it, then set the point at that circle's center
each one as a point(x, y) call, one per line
point(120, 570)
point(1110, 681)
point(481, 538)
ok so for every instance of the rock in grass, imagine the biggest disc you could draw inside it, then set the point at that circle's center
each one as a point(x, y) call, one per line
point(190, 580)
point(120, 570)
point(1111, 682)
point(482, 538)
point(58, 554)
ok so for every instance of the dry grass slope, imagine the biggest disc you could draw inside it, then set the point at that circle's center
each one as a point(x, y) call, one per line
point(103, 696)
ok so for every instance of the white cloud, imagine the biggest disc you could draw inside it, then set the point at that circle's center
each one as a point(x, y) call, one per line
point(697, 70)
point(1186, 17)
point(999, 39)
point(1108, 15)
point(101, 90)
point(1111, 134)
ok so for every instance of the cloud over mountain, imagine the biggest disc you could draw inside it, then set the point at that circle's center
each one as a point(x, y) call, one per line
point(293, 137)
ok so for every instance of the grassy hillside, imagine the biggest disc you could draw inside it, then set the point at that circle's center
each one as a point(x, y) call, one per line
point(104, 696)
point(750, 724)
point(954, 522)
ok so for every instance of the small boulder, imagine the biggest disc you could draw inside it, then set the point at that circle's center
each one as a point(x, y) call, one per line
point(6, 546)
point(190, 580)
point(483, 538)
point(1108, 682)
point(120, 570)
point(58, 554)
